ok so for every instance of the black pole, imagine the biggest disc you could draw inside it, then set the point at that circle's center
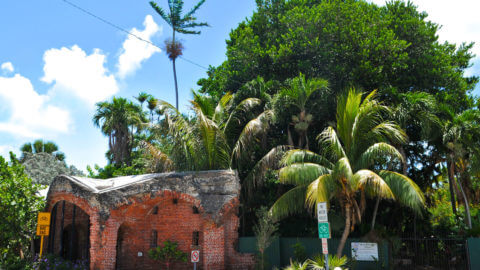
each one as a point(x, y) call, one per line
point(51, 239)
point(70, 251)
point(61, 229)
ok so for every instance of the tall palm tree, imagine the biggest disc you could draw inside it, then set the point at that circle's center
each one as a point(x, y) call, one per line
point(460, 138)
point(119, 119)
point(351, 165)
point(298, 92)
point(180, 23)
point(152, 104)
point(142, 97)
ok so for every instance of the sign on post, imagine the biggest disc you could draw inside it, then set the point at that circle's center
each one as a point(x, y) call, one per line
point(324, 246)
point(322, 212)
point(195, 256)
point(324, 230)
point(43, 227)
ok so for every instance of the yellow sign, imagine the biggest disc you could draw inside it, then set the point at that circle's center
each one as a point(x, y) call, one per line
point(43, 218)
point(43, 230)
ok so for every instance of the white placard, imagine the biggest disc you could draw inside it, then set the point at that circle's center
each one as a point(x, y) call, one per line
point(322, 212)
point(362, 251)
point(195, 256)
point(324, 246)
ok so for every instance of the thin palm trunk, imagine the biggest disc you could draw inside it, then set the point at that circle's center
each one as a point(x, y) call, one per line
point(404, 156)
point(467, 207)
point(346, 231)
point(451, 181)
point(375, 210)
point(175, 74)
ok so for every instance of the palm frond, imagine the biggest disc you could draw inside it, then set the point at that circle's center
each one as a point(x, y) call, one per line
point(270, 161)
point(301, 173)
point(405, 191)
point(300, 155)
point(291, 202)
point(321, 190)
point(378, 151)
point(331, 144)
point(372, 183)
point(250, 135)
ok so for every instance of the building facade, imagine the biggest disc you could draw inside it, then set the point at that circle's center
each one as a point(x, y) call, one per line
point(112, 223)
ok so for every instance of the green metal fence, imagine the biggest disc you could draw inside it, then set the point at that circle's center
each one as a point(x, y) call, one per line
point(282, 250)
point(474, 253)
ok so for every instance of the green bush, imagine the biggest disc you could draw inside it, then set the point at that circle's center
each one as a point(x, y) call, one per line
point(168, 254)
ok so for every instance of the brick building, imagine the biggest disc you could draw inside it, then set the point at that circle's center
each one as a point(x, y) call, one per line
point(113, 223)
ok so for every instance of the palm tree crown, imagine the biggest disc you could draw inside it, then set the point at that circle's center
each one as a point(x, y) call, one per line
point(351, 165)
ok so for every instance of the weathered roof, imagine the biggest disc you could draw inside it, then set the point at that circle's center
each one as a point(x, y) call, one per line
point(212, 188)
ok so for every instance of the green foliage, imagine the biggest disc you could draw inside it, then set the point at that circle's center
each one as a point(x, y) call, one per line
point(19, 205)
point(347, 43)
point(168, 253)
point(119, 120)
point(39, 146)
point(265, 232)
point(350, 166)
point(294, 265)
point(112, 170)
point(318, 262)
point(299, 252)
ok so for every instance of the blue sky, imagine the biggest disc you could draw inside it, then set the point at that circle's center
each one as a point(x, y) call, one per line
point(56, 62)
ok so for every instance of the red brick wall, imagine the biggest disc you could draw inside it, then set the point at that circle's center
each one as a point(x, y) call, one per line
point(134, 221)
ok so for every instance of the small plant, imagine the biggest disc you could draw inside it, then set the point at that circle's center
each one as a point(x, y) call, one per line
point(299, 252)
point(168, 254)
point(318, 262)
point(264, 231)
point(294, 265)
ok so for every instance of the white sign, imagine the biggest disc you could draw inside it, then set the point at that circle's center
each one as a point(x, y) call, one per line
point(364, 251)
point(322, 212)
point(195, 256)
point(324, 246)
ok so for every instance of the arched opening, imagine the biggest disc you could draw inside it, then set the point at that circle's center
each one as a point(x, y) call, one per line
point(124, 258)
point(69, 232)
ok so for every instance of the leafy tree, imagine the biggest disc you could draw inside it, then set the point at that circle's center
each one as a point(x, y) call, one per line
point(19, 205)
point(348, 43)
point(298, 92)
point(180, 23)
point(168, 254)
point(264, 231)
point(119, 119)
point(351, 165)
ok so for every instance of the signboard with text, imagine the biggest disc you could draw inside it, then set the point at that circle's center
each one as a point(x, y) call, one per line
point(322, 212)
point(364, 251)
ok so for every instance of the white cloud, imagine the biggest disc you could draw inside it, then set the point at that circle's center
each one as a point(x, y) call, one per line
point(135, 51)
point(7, 66)
point(5, 151)
point(75, 72)
point(30, 115)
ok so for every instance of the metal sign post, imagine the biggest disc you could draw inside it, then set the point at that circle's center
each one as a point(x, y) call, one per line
point(323, 229)
point(43, 227)
point(195, 257)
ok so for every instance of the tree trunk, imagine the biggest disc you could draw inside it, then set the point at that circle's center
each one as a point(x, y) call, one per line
point(290, 140)
point(467, 207)
point(175, 74)
point(375, 210)
point(346, 231)
point(404, 162)
point(451, 180)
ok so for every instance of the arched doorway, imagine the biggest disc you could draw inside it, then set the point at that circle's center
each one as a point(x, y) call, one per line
point(69, 232)
point(123, 258)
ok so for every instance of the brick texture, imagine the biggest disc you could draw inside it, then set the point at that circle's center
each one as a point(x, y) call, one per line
point(122, 240)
